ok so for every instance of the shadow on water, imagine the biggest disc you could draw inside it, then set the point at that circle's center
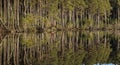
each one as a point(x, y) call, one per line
point(60, 48)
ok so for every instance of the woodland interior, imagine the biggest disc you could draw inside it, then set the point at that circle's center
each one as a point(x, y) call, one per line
point(39, 15)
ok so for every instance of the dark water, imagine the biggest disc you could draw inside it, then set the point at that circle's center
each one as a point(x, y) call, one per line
point(61, 48)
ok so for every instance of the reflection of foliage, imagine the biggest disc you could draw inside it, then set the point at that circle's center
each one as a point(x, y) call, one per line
point(115, 54)
point(69, 57)
point(54, 57)
point(91, 56)
point(47, 49)
point(103, 53)
point(118, 57)
point(115, 57)
point(28, 40)
point(79, 55)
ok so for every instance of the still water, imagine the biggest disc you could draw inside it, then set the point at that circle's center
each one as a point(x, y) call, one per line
point(61, 48)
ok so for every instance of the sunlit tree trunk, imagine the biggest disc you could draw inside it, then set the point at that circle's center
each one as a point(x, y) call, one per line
point(5, 12)
point(77, 20)
point(98, 21)
point(25, 13)
point(18, 10)
point(105, 23)
point(8, 20)
point(15, 16)
point(73, 18)
point(62, 15)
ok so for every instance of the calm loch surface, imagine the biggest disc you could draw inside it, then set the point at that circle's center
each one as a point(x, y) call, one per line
point(61, 48)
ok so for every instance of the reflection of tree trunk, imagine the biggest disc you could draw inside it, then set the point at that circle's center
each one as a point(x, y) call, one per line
point(62, 42)
point(81, 41)
point(98, 41)
point(77, 39)
point(4, 54)
point(105, 40)
point(15, 49)
point(8, 50)
point(1, 56)
point(70, 43)
point(17, 45)
point(118, 44)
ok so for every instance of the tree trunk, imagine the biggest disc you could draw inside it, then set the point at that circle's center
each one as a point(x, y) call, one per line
point(73, 18)
point(0, 8)
point(118, 18)
point(90, 18)
point(98, 25)
point(5, 12)
point(15, 16)
point(18, 21)
point(77, 20)
point(105, 20)
point(118, 14)
point(62, 15)
point(8, 20)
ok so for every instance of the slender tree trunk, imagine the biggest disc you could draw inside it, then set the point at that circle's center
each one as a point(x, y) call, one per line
point(0, 8)
point(70, 16)
point(118, 18)
point(4, 53)
point(18, 21)
point(8, 14)
point(73, 18)
point(81, 15)
point(90, 18)
point(118, 14)
point(25, 13)
point(62, 15)
point(15, 15)
point(105, 19)
point(98, 25)
point(5, 12)
point(77, 20)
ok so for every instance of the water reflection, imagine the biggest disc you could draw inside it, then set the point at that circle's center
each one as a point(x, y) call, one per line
point(60, 48)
